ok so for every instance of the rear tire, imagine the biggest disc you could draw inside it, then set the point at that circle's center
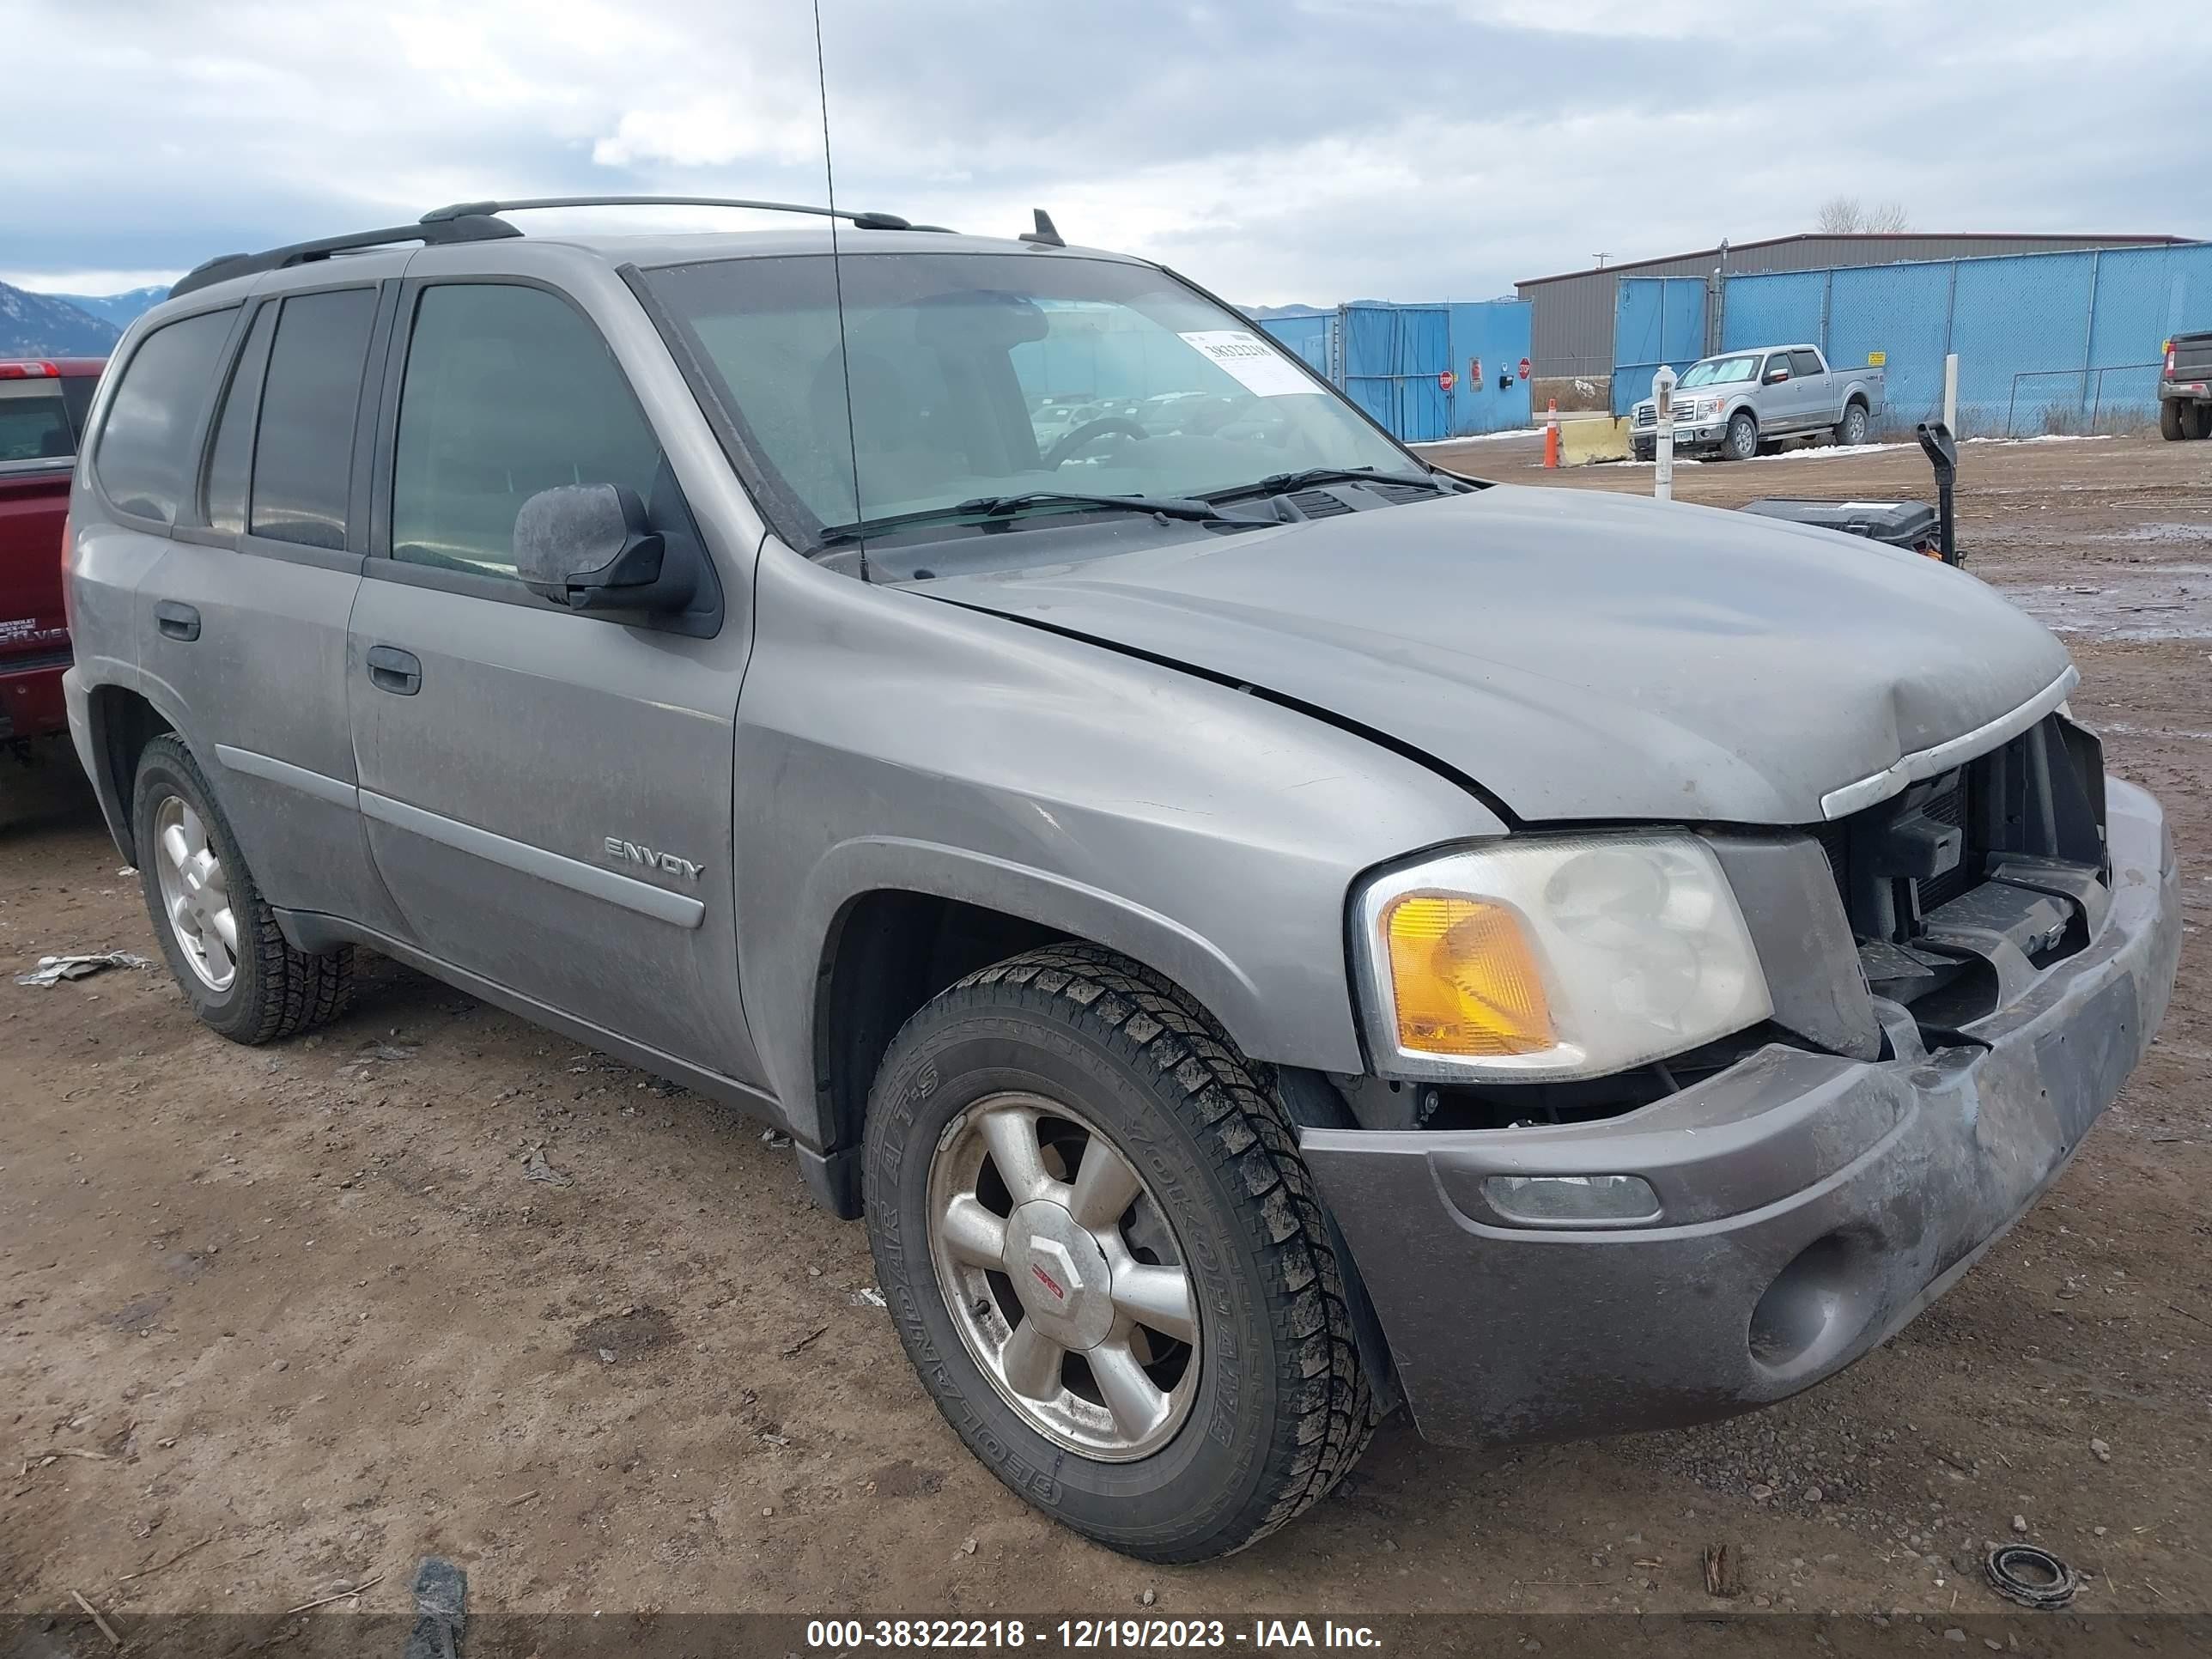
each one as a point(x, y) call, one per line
point(1851, 430)
point(1052, 1059)
point(230, 959)
point(1742, 442)
point(2172, 424)
point(2196, 421)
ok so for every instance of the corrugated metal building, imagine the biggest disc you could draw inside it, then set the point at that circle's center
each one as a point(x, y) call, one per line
point(1572, 326)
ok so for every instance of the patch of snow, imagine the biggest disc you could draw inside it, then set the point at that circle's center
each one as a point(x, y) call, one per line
point(2049, 438)
point(1479, 438)
point(1817, 450)
point(1810, 454)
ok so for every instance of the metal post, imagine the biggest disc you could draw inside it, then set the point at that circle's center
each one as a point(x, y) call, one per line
point(1662, 442)
point(1951, 392)
point(1942, 453)
point(2089, 328)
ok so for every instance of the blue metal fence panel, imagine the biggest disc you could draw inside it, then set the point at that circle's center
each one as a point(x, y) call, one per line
point(1489, 340)
point(1393, 357)
point(2045, 340)
point(1307, 336)
point(1389, 359)
point(1773, 309)
point(1903, 313)
point(1657, 319)
point(2144, 297)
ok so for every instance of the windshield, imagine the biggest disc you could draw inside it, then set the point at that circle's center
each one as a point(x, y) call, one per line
point(1720, 371)
point(979, 376)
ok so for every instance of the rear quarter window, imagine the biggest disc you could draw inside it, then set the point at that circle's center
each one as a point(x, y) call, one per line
point(144, 460)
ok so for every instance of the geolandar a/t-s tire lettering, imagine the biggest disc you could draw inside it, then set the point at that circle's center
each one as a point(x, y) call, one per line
point(1106, 1258)
point(221, 939)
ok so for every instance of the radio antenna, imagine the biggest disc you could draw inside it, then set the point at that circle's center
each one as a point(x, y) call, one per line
point(837, 278)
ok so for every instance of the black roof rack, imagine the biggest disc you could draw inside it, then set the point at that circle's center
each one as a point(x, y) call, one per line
point(476, 222)
point(860, 221)
point(458, 228)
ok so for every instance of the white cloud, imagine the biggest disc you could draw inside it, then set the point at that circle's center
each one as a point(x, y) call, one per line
point(1335, 149)
point(93, 283)
point(707, 133)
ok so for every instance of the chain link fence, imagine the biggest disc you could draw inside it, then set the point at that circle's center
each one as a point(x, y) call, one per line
point(2047, 342)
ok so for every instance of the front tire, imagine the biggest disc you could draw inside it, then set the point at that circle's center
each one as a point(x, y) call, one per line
point(221, 940)
point(1742, 442)
point(1106, 1259)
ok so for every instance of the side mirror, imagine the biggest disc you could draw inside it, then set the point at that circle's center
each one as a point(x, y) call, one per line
point(1776, 376)
point(587, 547)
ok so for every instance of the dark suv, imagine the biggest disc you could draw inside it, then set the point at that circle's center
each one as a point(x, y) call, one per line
point(1261, 928)
point(2185, 388)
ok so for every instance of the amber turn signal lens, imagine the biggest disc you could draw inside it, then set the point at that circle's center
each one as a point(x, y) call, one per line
point(1464, 978)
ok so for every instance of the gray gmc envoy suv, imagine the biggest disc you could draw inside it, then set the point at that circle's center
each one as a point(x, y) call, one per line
point(1261, 929)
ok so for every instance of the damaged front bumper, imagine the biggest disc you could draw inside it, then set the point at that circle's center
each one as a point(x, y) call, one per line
point(1809, 1206)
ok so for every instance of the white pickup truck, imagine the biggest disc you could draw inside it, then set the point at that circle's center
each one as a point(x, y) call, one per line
point(1732, 403)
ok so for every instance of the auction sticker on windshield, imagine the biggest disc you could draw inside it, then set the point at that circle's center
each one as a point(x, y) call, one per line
point(1257, 366)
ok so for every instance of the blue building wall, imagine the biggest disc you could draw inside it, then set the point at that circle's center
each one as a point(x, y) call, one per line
point(2064, 341)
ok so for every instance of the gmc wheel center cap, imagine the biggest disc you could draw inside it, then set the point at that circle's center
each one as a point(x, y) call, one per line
point(1060, 1274)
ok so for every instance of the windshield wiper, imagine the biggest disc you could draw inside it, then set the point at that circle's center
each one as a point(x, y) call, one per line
point(1282, 483)
point(994, 508)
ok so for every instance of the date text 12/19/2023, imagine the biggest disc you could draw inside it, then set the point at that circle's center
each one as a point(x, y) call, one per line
point(1089, 1635)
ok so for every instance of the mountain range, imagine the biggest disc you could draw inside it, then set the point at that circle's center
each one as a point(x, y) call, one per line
point(120, 309)
point(67, 325)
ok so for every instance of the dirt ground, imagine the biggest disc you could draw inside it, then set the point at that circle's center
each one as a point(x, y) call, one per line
point(302, 1312)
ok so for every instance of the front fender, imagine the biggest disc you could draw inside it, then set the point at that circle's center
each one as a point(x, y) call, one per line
point(889, 863)
point(887, 741)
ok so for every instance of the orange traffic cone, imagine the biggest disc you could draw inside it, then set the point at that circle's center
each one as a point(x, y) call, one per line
point(1552, 435)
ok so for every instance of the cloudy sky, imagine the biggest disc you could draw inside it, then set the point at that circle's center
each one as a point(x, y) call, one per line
point(1275, 151)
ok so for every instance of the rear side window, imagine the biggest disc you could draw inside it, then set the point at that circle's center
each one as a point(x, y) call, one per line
point(303, 456)
point(35, 424)
point(1802, 363)
point(144, 461)
point(508, 390)
point(230, 459)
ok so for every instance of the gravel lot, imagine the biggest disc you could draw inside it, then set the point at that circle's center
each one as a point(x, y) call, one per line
point(305, 1310)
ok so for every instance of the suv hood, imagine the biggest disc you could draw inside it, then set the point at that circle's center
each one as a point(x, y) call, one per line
point(1579, 654)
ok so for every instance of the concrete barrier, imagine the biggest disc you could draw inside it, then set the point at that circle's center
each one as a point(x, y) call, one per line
point(1604, 439)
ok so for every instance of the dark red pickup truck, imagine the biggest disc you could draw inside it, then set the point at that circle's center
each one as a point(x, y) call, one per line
point(42, 409)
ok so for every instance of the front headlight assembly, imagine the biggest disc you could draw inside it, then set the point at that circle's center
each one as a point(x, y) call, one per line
point(1551, 957)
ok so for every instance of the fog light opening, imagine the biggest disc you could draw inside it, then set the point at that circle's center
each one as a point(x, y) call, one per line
point(1582, 1200)
point(1814, 1307)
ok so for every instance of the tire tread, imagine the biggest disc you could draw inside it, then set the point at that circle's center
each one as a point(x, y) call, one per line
point(292, 992)
point(1329, 1419)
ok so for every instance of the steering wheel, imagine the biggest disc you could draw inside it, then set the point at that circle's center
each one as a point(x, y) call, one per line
point(1088, 432)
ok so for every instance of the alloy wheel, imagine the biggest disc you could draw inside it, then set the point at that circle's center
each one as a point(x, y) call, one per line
point(195, 894)
point(1064, 1277)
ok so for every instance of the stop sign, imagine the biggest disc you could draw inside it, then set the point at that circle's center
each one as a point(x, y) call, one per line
point(1447, 380)
point(1524, 368)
